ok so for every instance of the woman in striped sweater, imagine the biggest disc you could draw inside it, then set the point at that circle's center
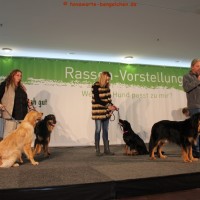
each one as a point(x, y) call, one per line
point(102, 109)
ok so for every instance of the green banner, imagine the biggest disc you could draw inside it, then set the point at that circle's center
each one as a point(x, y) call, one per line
point(86, 72)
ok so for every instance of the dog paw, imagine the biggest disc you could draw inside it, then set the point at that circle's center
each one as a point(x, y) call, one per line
point(35, 163)
point(162, 156)
point(46, 155)
point(187, 160)
point(16, 165)
point(194, 159)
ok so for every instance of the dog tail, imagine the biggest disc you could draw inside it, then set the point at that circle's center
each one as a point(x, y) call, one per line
point(151, 145)
point(146, 151)
point(143, 151)
point(153, 138)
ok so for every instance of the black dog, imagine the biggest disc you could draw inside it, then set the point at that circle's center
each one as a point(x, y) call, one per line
point(132, 140)
point(183, 133)
point(43, 131)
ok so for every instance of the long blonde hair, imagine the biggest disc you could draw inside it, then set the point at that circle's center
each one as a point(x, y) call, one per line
point(103, 79)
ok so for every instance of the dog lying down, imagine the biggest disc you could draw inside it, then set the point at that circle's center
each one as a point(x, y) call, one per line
point(18, 141)
point(134, 144)
point(183, 133)
point(43, 131)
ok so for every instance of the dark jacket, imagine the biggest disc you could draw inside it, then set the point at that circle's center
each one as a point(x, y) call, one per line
point(20, 107)
point(191, 86)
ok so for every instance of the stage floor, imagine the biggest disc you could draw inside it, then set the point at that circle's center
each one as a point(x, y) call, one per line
point(69, 166)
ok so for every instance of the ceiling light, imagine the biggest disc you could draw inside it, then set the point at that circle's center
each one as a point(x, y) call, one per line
point(128, 59)
point(7, 50)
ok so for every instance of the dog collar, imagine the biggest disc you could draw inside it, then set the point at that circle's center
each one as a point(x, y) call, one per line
point(125, 132)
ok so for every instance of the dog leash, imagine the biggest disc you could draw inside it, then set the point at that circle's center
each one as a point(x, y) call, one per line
point(11, 117)
point(118, 118)
point(118, 114)
point(114, 115)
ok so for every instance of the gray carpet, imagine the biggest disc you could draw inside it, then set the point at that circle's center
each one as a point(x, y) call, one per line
point(79, 165)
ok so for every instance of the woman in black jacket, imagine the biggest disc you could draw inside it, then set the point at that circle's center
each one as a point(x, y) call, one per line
point(13, 96)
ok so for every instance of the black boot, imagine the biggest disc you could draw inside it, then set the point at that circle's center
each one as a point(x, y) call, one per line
point(97, 147)
point(196, 154)
point(195, 151)
point(107, 149)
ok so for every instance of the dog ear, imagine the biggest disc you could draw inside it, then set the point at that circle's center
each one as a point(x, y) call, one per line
point(32, 116)
point(46, 117)
point(29, 115)
point(50, 116)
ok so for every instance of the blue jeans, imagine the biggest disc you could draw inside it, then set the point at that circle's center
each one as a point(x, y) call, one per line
point(104, 125)
point(196, 147)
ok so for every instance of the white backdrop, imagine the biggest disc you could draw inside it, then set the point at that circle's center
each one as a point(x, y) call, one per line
point(142, 107)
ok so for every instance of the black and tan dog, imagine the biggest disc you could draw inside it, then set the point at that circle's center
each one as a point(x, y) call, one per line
point(183, 133)
point(43, 131)
point(134, 144)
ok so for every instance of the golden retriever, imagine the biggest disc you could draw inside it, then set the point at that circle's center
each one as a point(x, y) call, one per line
point(18, 141)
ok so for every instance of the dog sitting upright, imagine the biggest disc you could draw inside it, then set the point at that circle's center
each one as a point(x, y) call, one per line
point(19, 141)
point(43, 131)
point(132, 140)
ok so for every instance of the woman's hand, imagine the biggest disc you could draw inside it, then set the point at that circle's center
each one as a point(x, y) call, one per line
point(2, 107)
point(112, 107)
point(29, 102)
point(116, 108)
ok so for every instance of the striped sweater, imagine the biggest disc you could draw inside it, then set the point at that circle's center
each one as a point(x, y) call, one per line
point(101, 99)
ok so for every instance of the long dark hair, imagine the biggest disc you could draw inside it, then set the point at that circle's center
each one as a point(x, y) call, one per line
point(10, 78)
